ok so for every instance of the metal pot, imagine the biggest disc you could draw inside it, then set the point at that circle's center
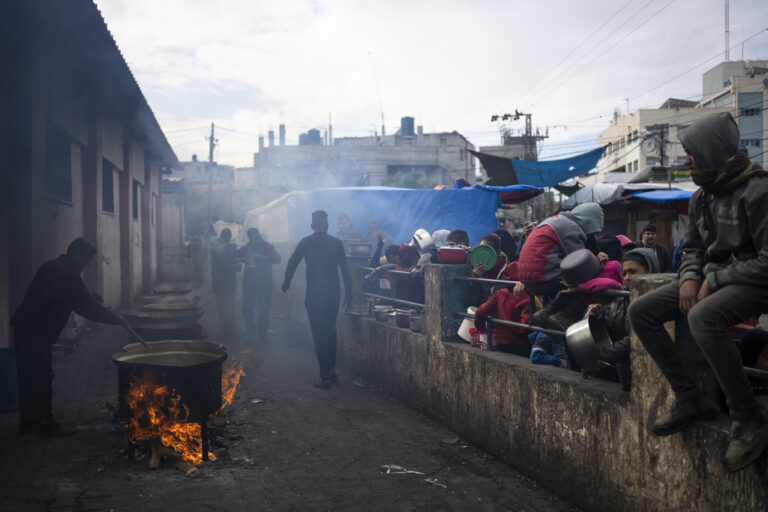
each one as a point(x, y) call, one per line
point(392, 318)
point(415, 322)
point(176, 345)
point(175, 307)
point(584, 340)
point(403, 317)
point(169, 331)
point(162, 317)
point(194, 375)
point(381, 312)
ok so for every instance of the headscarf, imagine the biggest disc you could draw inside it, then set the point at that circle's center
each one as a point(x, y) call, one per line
point(508, 244)
point(589, 217)
point(407, 257)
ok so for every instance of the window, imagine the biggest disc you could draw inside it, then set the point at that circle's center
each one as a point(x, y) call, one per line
point(634, 135)
point(107, 186)
point(636, 167)
point(58, 164)
point(652, 161)
point(750, 143)
point(680, 159)
point(136, 191)
point(748, 112)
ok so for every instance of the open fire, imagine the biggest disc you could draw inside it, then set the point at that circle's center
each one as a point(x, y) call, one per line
point(157, 413)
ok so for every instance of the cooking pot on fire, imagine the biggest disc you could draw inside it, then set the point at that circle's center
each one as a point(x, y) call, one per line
point(584, 339)
point(160, 317)
point(169, 331)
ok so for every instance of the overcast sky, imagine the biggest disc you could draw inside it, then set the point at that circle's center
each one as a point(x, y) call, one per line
point(249, 65)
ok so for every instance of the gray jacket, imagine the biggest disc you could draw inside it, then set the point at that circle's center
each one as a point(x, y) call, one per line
point(727, 238)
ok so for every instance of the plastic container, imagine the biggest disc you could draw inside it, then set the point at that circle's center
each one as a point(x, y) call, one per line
point(467, 324)
point(474, 339)
point(403, 317)
point(483, 339)
point(451, 255)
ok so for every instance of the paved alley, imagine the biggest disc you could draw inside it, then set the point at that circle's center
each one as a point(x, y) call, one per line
point(301, 449)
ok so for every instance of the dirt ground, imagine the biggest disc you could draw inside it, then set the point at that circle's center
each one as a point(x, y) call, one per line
point(302, 448)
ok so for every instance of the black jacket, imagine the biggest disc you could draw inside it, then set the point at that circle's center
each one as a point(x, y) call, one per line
point(56, 291)
point(325, 256)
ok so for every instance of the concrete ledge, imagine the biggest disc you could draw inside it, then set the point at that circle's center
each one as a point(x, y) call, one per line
point(585, 439)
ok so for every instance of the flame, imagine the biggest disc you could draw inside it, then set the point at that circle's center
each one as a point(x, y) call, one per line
point(156, 413)
point(230, 379)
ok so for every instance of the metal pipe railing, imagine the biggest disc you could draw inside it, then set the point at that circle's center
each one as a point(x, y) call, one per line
point(617, 293)
point(394, 272)
point(392, 299)
point(526, 327)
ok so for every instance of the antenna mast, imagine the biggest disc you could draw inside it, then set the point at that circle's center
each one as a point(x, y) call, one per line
point(727, 31)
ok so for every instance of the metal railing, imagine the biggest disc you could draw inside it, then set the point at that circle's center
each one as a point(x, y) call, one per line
point(616, 293)
point(393, 300)
point(490, 321)
point(394, 272)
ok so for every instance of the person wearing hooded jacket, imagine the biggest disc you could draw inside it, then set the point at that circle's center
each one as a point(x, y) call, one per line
point(551, 241)
point(723, 280)
point(614, 314)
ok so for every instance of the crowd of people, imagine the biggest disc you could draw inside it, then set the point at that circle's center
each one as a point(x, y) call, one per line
point(568, 264)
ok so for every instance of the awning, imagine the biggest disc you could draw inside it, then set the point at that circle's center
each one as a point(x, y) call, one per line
point(546, 173)
point(664, 196)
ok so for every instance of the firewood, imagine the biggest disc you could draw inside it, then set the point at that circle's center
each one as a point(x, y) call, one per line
point(187, 468)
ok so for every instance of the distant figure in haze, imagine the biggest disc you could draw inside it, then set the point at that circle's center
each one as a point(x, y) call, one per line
point(55, 291)
point(346, 230)
point(324, 256)
point(224, 267)
point(375, 235)
point(258, 257)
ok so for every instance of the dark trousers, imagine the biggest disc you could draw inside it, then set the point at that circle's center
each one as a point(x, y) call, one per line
point(322, 320)
point(257, 299)
point(520, 350)
point(709, 321)
point(225, 304)
point(35, 381)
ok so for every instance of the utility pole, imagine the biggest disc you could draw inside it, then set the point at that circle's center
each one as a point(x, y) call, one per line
point(727, 30)
point(529, 139)
point(212, 141)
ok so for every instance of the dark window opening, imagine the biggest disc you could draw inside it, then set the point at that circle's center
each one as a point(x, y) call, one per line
point(136, 191)
point(107, 186)
point(58, 164)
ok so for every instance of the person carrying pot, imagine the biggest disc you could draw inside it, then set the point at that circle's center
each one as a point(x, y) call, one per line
point(723, 280)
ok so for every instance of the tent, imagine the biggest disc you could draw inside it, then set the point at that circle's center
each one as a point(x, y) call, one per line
point(606, 193)
point(539, 173)
point(400, 212)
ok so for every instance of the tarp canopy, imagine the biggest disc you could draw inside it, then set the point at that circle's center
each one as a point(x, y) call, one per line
point(511, 194)
point(664, 196)
point(606, 193)
point(400, 212)
point(539, 173)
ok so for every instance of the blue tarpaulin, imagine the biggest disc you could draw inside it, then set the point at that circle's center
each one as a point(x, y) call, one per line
point(399, 211)
point(547, 173)
point(664, 196)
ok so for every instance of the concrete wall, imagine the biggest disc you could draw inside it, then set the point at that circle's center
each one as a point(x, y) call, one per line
point(586, 440)
point(137, 174)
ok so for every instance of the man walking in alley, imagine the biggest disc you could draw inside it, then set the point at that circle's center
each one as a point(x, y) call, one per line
point(258, 257)
point(723, 281)
point(648, 241)
point(55, 291)
point(324, 256)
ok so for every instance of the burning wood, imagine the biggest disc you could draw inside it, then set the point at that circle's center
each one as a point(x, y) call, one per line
point(157, 414)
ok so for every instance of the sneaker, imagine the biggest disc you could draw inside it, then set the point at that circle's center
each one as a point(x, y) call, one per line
point(684, 412)
point(746, 443)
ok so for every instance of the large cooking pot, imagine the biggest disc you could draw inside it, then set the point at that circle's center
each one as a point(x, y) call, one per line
point(175, 307)
point(169, 331)
point(174, 345)
point(584, 340)
point(193, 374)
point(187, 298)
point(136, 317)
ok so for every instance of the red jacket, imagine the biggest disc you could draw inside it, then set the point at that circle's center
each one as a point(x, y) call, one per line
point(505, 305)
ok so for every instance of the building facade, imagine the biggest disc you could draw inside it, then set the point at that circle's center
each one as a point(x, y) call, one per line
point(81, 155)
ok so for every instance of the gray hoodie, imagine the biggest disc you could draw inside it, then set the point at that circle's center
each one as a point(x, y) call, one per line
point(727, 238)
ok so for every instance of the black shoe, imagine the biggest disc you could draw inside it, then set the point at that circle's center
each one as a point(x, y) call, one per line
point(323, 384)
point(746, 443)
point(684, 412)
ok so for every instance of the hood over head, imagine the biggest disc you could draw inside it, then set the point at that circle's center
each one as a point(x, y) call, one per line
point(712, 141)
point(407, 256)
point(589, 217)
point(649, 255)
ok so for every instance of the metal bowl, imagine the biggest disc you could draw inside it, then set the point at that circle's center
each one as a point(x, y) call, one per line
point(584, 340)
